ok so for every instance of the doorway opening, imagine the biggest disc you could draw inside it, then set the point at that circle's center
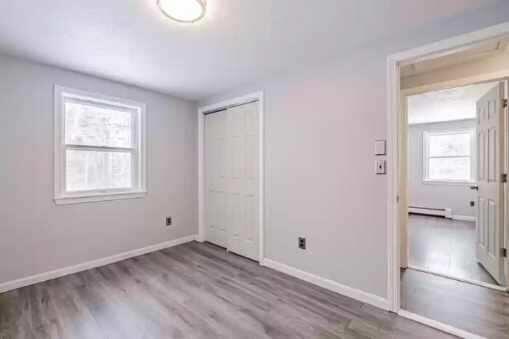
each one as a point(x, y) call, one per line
point(444, 164)
point(448, 222)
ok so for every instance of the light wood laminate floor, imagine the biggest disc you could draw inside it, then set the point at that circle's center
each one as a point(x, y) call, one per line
point(445, 246)
point(476, 309)
point(192, 291)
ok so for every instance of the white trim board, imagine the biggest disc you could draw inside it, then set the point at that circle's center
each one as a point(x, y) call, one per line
point(438, 325)
point(201, 162)
point(37, 278)
point(328, 284)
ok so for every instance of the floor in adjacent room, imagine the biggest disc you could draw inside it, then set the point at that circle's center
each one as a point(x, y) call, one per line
point(192, 291)
point(445, 246)
point(472, 308)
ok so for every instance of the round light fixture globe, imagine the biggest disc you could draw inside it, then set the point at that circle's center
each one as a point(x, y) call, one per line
point(186, 11)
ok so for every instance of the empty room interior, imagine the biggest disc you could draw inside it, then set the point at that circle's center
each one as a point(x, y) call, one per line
point(254, 169)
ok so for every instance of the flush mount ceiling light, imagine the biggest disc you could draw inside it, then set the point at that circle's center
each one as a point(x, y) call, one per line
point(183, 10)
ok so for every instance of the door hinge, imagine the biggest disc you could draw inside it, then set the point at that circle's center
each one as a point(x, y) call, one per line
point(504, 103)
point(504, 253)
point(504, 177)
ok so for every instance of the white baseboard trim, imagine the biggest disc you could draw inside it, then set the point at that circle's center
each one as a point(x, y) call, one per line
point(328, 284)
point(37, 278)
point(438, 325)
point(463, 218)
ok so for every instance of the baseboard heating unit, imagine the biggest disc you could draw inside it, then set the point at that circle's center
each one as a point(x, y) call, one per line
point(437, 212)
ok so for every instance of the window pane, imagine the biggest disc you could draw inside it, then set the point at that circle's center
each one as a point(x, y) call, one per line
point(449, 145)
point(93, 170)
point(449, 169)
point(86, 124)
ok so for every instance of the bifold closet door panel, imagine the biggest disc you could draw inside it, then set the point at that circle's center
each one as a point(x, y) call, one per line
point(232, 179)
point(243, 182)
point(216, 193)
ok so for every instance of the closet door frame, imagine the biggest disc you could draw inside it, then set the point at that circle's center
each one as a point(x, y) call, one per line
point(202, 111)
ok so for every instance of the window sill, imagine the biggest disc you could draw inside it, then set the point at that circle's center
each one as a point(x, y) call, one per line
point(448, 183)
point(97, 197)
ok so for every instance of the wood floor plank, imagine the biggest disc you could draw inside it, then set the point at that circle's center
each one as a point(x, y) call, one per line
point(472, 308)
point(445, 246)
point(192, 291)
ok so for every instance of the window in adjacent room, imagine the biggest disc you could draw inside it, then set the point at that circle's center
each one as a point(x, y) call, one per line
point(99, 147)
point(448, 156)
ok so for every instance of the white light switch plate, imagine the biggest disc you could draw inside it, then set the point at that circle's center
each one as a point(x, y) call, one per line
point(380, 166)
point(380, 147)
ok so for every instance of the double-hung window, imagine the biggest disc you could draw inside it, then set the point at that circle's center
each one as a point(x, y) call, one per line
point(449, 156)
point(99, 147)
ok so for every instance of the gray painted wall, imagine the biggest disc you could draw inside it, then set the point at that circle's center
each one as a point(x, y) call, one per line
point(320, 182)
point(454, 196)
point(35, 234)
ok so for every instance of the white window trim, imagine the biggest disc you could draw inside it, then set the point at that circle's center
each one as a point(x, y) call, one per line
point(140, 180)
point(425, 157)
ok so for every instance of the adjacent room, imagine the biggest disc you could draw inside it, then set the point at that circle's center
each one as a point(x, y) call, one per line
point(254, 169)
point(442, 182)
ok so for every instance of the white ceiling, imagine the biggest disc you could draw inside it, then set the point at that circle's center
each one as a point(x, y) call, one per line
point(446, 105)
point(238, 42)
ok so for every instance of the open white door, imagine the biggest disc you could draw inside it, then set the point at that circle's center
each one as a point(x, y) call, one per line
point(490, 204)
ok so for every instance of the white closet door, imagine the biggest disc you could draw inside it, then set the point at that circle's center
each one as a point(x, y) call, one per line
point(243, 180)
point(232, 179)
point(216, 193)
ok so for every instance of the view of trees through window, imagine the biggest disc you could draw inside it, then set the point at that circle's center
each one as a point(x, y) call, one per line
point(449, 156)
point(98, 147)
